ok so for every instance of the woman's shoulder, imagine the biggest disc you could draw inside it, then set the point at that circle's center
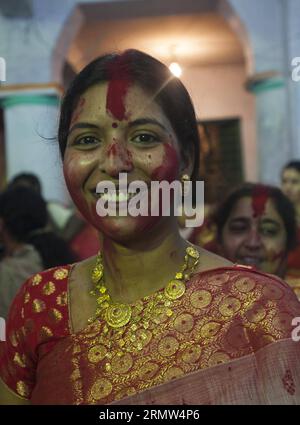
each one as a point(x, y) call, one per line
point(244, 281)
point(43, 301)
point(233, 272)
point(38, 319)
point(260, 302)
point(48, 282)
point(58, 273)
point(210, 261)
point(212, 266)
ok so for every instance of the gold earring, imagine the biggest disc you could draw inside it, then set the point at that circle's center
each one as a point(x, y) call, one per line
point(186, 188)
point(185, 178)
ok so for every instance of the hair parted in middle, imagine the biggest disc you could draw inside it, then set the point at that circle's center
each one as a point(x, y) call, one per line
point(152, 76)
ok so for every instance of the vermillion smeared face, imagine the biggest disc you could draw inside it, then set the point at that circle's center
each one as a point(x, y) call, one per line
point(255, 239)
point(109, 136)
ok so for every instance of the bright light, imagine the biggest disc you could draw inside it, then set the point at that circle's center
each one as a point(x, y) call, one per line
point(175, 69)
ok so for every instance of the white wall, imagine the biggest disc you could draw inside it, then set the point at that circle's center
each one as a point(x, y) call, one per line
point(218, 92)
point(293, 38)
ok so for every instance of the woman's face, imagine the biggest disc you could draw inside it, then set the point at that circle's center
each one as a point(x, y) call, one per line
point(112, 133)
point(291, 185)
point(257, 240)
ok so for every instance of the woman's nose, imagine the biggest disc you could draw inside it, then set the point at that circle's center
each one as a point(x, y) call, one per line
point(117, 159)
point(253, 240)
point(286, 186)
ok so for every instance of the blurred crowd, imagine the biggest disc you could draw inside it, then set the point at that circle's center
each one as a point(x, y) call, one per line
point(36, 235)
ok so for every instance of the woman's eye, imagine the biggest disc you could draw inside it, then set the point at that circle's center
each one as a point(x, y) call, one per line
point(238, 228)
point(269, 231)
point(86, 141)
point(145, 138)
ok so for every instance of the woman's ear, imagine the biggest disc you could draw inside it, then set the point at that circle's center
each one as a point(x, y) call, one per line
point(187, 163)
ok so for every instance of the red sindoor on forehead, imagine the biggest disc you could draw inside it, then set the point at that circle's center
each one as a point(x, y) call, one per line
point(119, 82)
point(260, 197)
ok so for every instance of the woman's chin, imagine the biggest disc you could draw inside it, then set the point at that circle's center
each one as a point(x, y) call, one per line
point(125, 228)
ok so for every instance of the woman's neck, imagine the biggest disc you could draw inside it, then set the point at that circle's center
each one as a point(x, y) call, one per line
point(133, 271)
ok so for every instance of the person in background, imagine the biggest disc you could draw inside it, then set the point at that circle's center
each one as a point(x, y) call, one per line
point(256, 226)
point(28, 247)
point(290, 184)
point(61, 220)
point(67, 223)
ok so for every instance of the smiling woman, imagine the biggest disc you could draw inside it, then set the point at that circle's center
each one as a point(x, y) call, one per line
point(256, 226)
point(150, 307)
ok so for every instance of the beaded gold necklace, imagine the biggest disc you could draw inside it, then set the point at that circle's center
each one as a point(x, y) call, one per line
point(118, 315)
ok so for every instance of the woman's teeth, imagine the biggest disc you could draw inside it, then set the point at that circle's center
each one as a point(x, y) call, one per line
point(115, 196)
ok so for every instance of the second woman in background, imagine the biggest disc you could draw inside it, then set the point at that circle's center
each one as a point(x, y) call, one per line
point(256, 226)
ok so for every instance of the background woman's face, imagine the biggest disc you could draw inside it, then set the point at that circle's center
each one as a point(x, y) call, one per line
point(258, 241)
point(291, 185)
point(109, 135)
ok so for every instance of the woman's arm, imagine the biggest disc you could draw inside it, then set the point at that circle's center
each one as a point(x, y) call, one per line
point(8, 397)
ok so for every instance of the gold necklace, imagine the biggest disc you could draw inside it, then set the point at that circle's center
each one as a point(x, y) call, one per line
point(118, 315)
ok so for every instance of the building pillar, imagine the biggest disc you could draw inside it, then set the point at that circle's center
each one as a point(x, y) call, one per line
point(274, 145)
point(30, 130)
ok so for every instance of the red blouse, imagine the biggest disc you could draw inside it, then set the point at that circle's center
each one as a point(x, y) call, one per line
point(38, 319)
point(224, 314)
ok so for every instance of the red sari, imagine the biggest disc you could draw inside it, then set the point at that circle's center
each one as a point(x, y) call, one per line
point(225, 314)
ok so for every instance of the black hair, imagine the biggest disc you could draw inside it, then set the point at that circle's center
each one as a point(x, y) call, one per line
point(24, 213)
point(282, 204)
point(292, 164)
point(26, 180)
point(53, 249)
point(152, 76)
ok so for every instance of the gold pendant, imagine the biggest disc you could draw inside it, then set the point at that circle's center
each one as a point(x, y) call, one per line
point(118, 315)
point(174, 289)
point(97, 274)
point(192, 252)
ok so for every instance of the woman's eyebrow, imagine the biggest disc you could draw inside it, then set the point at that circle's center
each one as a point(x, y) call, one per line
point(83, 125)
point(143, 121)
